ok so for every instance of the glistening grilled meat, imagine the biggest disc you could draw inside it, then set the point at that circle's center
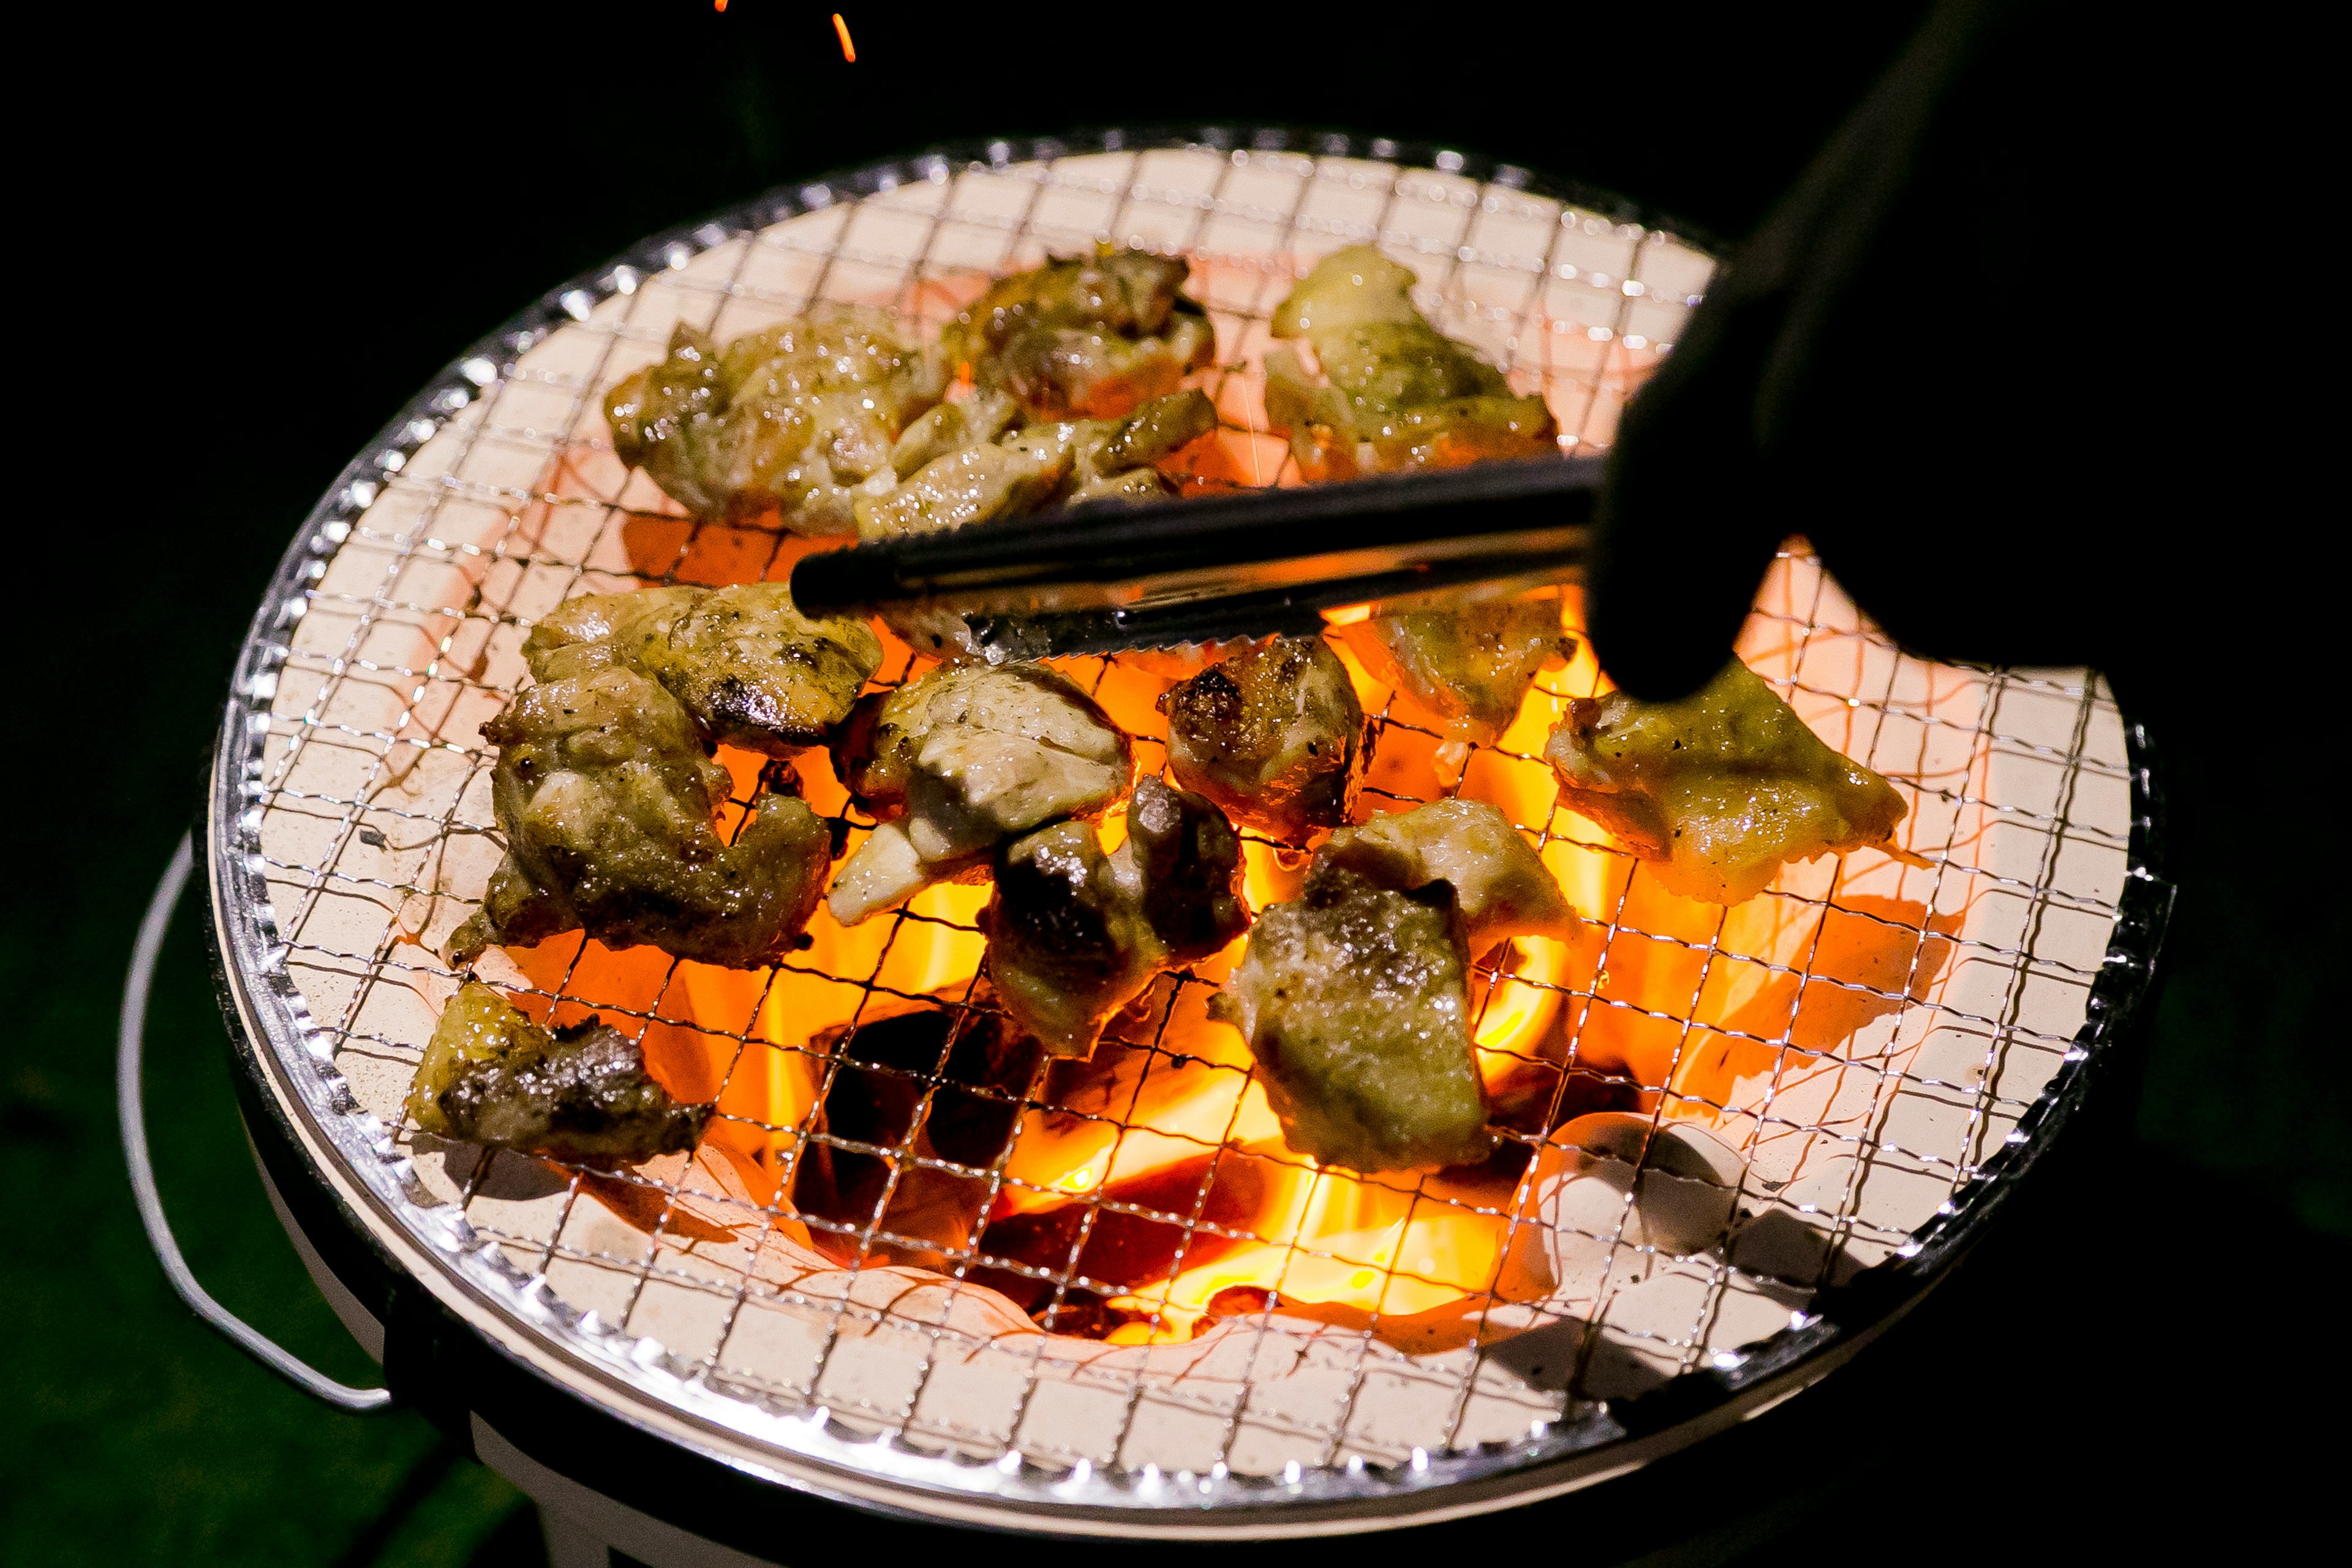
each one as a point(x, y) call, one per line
point(1717, 792)
point(491, 1076)
point(1273, 735)
point(784, 421)
point(1355, 998)
point(1074, 936)
point(961, 761)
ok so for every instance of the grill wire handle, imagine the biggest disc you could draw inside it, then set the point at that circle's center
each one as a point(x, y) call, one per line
point(129, 1053)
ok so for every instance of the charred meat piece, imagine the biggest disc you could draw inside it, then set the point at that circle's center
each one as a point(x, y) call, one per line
point(1501, 886)
point(1273, 735)
point(1719, 789)
point(1470, 666)
point(491, 1076)
point(961, 761)
point(1355, 1000)
point(753, 670)
point(607, 798)
point(784, 420)
point(1091, 337)
point(1395, 393)
point(1074, 934)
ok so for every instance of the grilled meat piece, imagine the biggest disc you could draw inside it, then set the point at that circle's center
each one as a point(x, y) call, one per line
point(1355, 1000)
point(1501, 886)
point(980, 480)
point(1089, 336)
point(1395, 393)
point(1717, 790)
point(961, 760)
point(753, 670)
point(491, 1076)
point(1074, 934)
point(607, 798)
point(1273, 735)
point(783, 420)
point(1470, 666)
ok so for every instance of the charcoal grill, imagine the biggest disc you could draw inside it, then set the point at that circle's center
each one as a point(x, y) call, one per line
point(627, 1348)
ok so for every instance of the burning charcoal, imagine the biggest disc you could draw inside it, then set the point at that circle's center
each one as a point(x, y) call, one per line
point(1395, 393)
point(1074, 935)
point(973, 1066)
point(1683, 1181)
point(1469, 666)
point(1083, 337)
point(1273, 735)
point(1717, 790)
point(491, 1076)
point(608, 798)
point(961, 761)
point(753, 670)
point(782, 421)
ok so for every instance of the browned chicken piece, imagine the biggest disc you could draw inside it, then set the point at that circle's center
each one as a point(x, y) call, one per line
point(961, 761)
point(1074, 935)
point(786, 421)
point(753, 670)
point(1394, 391)
point(1355, 998)
point(1717, 792)
point(1273, 735)
point(608, 799)
point(1501, 886)
point(1088, 337)
point(985, 479)
point(490, 1076)
point(1470, 665)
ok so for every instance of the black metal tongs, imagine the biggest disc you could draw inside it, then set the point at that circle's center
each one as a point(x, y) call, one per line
point(1106, 577)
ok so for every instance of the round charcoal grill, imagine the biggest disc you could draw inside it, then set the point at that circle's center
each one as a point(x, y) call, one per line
point(692, 1357)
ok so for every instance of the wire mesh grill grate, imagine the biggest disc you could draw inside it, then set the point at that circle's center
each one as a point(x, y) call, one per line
point(1870, 1032)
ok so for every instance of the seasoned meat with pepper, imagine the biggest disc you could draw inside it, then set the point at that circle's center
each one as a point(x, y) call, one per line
point(1470, 665)
point(1355, 998)
point(1394, 391)
point(1501, 886)
point(784, 420)
point(1717, 790)
point(753, 670)
point(491, 1076)
point(607, 796)
point(1074, 934)
point(959, 762)
point(1088, 336)
point(1273, 735)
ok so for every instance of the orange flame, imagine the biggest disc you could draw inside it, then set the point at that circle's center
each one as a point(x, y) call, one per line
point(849, 49)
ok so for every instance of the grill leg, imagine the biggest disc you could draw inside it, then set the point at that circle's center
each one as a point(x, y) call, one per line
point(571, 1544)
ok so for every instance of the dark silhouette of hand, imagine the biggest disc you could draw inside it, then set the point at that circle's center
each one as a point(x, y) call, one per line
point(1973, 356)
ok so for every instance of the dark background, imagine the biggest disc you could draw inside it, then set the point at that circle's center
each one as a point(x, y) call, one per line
point(254, 240)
